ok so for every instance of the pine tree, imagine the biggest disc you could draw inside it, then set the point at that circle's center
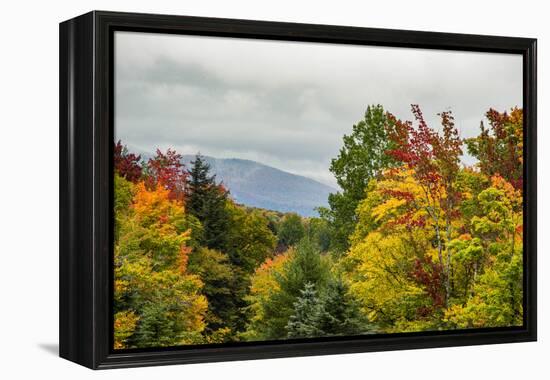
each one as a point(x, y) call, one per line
point(206, 200)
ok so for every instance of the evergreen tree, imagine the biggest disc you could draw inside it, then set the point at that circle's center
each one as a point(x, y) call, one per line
point(306, 266)
point(304, 322)
point(205, 199)
point(332, 312)
point(341, 314)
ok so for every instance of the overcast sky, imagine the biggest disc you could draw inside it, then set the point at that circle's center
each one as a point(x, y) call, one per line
point(287, 104)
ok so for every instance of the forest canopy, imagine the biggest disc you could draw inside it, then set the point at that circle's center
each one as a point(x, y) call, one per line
point(414, 240)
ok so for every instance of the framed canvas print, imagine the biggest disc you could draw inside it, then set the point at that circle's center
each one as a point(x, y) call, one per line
point(237, 189)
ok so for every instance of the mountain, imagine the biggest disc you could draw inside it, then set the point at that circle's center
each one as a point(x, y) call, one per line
point(254, 184)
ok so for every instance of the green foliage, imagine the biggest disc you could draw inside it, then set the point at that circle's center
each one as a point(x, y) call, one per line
point(496, 300)
point(414, 242)
point(318, 231)
point(216, 273)
point(123, 195)
point(249, 241)
point(157, 302)
point(470, 183)
point(363, 155)
point(436, 246)
point(341, 219)
point(304, 322)
point(291, 230)
point(493, 262)
point(125, 326)
point(263, 285)
point(206, 200)
point(341, 311)
point(167, 305)
point(163, 324)
point(380, 269)
point(305, 266)
point(362, 158)
point(333, 312)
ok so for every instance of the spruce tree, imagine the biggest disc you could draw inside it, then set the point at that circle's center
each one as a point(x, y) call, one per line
point(306, 266)
point(206, 200)
point(332, 312)
point(341, 314)
point(304, 322)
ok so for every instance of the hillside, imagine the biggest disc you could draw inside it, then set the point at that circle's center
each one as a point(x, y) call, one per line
point(254, 184)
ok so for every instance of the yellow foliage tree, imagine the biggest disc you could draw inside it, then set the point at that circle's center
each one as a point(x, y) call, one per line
point(157, 302)
point(263, 286)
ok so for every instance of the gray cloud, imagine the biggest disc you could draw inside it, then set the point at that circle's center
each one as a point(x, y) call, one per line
point(288, 104)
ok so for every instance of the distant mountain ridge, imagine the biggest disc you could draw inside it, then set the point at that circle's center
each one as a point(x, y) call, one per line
point(254, 184)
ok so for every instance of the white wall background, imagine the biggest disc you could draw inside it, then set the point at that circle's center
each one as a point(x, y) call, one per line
point(29, 188)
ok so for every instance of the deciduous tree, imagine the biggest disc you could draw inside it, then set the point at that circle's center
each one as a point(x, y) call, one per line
point(127, 165)
point(291, 230)
point(499, 148)
point(167, 170)
point(362, 157)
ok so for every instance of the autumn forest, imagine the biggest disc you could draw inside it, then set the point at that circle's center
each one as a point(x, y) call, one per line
point(413, 240)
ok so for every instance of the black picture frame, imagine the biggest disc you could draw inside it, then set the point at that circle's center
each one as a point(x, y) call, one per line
point(86, 199)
